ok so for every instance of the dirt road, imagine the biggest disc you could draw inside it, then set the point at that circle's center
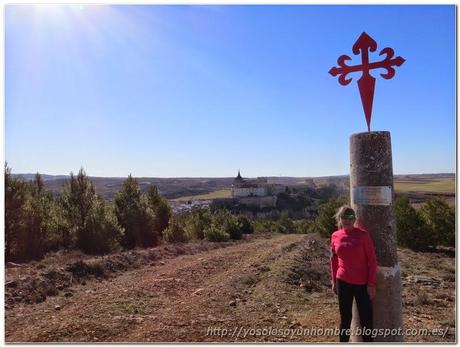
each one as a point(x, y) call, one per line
point(273, 282)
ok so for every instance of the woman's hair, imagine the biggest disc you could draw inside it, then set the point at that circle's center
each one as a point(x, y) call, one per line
point(343, 210)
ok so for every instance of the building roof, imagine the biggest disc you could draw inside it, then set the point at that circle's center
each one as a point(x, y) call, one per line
point(239, 178)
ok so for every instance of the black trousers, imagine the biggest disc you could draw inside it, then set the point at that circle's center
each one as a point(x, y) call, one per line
point(346, 292)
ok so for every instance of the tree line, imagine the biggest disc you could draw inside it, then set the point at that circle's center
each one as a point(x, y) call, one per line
point(432, 225)
point(36, 222)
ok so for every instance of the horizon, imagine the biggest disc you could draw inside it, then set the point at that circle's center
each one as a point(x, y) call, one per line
point(157, 90)
point(195, 177)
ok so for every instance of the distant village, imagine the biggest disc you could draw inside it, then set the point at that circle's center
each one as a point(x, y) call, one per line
point(257, 194)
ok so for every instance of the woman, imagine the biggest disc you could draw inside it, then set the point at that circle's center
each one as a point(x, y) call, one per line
point(353, 271)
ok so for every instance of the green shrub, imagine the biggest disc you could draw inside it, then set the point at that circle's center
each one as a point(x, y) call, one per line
point(76, 200)
point(215, 234)
point(440, 220)
point(303, 226)
point(197, 222)
point(160, 208)
point(175, 233)
point(101, 233)
point(245, 224)
point(40, 224)
point(262, 225)
point(325, 223)
point(134, 214)
point(224, 220)
point(16, 195)
point(31, 224)
point(84, 220)
point(411, 230)
point(234, 230)
point(284, 224)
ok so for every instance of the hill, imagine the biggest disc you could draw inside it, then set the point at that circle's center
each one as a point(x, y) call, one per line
point(173, 188)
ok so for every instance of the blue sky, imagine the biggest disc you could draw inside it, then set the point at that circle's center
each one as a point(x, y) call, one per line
point(189, 91)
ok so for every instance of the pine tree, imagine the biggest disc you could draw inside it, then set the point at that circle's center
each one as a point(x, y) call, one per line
point(40, 225)
point(77, 200)
point(135, 216)
point(411, 230)
point(197, 223)
point(160, 208)
point(16, 195)
point(325, 223)
point(175, 232)
point(102, 232)
point(440, 219)
point(90, 225)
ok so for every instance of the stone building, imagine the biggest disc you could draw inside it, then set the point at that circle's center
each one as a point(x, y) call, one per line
point(242, 188)
point(259, 187)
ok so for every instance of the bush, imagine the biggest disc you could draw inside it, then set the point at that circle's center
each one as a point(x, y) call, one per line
point(40, 223)
point(77, 200)
point(31, 223)
point(215, 234)
point(197, 222)
point(175, 233)
point(234, 230)
point(135, 216)
point(303, 226)
point(245, 225)
point(264, 226)
point(160, 208)
point(440, 220)
point(325, 223)
point(411, 230)
point(284, 224)
point(87, 223)
point(101, 233)
point(228, 223)
point(16, 196)
point(421, 299)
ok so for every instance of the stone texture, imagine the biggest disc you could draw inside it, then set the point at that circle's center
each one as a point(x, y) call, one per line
point(371, 165)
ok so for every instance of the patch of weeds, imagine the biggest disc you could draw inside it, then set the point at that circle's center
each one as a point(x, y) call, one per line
point(248, 280)
point(450, 277)
point(78, 269)
point(51, 290)
point(421, 299)
point(130, 307)
point(97, 269)
point(449, 322)
point(264, 268)
point(81, 269)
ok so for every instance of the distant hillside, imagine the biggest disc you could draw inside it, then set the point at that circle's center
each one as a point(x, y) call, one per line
point(173, 188)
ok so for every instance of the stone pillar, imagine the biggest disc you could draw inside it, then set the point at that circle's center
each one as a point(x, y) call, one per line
point(372, 197)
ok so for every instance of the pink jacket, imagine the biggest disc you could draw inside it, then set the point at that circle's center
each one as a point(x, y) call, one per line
point(353, 257)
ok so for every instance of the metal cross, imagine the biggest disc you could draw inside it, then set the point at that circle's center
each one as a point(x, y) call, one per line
point(366, 83)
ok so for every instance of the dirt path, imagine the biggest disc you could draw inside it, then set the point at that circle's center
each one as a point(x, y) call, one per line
point(183, 300)
point(272, 282)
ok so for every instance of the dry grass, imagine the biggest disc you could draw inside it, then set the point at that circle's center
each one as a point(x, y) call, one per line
point(442, 185)
point(218, 194)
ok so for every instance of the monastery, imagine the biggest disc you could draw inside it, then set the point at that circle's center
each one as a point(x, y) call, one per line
point(259, 187)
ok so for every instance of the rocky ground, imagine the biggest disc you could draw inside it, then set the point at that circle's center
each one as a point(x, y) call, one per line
point(267, 287)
